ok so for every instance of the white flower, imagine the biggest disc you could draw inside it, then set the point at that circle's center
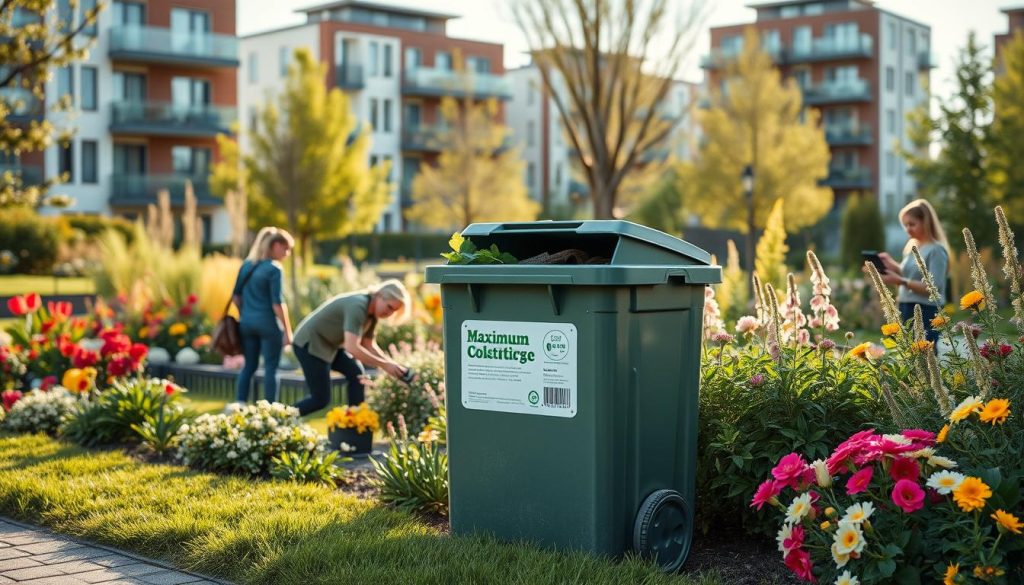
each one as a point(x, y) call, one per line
point(858, 513)
point(940, 461)
point(783, 535)
point(800, 507)
point(898, 439)
point(945, 482)
point(847, 579)
point(848, 538)
point(231, 454)
point(840, 558)
point(345, 447)
point(923, 453)
point(821, 474)
point(747, 324)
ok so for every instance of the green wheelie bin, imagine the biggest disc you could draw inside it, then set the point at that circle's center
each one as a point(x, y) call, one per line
point(572, 388)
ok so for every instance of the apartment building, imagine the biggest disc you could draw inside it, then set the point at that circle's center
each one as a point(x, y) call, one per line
point(1014, 24)
point(158, 86)
point(864, 68)
point(550, 157)
point(394, 63)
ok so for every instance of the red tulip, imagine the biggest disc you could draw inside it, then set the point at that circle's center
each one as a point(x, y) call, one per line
point(138, 352)
point(9, 397)
point(59, 310)
point(169, 389)
point(33, 301)
point(192, 299)
point(84, 358)
point(17, 305)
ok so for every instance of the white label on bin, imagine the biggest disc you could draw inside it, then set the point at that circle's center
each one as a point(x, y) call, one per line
point(522, 367)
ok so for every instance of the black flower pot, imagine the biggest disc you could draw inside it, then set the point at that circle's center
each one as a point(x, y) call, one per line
point(361, 442)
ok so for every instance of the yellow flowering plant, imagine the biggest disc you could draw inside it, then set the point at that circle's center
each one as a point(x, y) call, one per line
point(360, 418)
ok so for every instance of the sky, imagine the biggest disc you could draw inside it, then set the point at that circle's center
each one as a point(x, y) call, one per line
point(490, 20)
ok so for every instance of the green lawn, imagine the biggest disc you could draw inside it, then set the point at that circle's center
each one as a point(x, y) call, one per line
point(20, 284)
point(266, 531)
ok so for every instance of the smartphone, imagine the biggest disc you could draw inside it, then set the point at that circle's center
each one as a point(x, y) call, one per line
point(873, 257)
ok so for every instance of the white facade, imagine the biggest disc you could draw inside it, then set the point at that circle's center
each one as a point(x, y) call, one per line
point(902, 89)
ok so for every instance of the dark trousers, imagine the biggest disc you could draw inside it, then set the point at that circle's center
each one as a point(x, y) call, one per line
point(318, 379)
point(928, 312)
point(265, 338)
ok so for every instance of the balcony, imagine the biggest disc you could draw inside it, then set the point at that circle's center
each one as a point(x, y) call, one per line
point(166, 119)
point(423, 138)
point(30, 175)
point(441, 82)
point(827, 48)
point(925, 60)
point(848, 136)
point(152, 44)
point(849, 178)
point(128, 190)
point(349, 76)
point(24, 107)
point(719, 57)
point(836, 92)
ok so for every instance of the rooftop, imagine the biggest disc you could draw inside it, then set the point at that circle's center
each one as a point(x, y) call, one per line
point(378, 7)
point(758, 6)
point(1012, 9)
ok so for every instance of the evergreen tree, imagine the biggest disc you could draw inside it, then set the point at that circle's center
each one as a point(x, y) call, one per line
point(958, 180)
point(862, 229)
point(1007, 135)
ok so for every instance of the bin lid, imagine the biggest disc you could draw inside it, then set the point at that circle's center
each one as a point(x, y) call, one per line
point(636, 254)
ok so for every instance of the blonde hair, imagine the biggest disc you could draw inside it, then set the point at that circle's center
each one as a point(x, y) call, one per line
point(923, 211)
point(266, 238)
point(393, 290)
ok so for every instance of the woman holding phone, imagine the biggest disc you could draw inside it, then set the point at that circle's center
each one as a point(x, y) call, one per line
point(924, 230)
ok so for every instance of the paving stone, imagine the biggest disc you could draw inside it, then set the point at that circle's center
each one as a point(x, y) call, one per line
point(57, 580)
point(33, 573)
point(17, 539)
point(5, 580)
point(137, 570)
point(113, 560)
point(49, 546)
point(100, 576)
point(78, 554)
point(72, 567)
point(12, 553)
point(169, 578)
point(18, 563)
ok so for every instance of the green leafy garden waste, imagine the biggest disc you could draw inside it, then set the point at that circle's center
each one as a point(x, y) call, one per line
point(464, 251)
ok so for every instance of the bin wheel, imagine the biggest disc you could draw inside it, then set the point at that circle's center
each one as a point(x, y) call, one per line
point(663, 530)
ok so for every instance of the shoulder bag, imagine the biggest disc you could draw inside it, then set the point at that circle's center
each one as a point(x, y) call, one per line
point(227, 335)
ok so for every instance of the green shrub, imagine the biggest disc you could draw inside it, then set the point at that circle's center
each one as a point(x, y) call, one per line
point(34, 240)
point(93, 226)
point(116, 414)
point(391, 398)
point(862, 229)
point(391, 246)
point(413, 474)
point(306, 467)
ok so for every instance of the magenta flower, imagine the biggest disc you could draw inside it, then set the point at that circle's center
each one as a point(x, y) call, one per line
point(765, 492)
point(920, 436)
point(799, 561)
point(795, 540)
point(790, 469)
point(904, 468)
point(908, 496)
point(859, 481)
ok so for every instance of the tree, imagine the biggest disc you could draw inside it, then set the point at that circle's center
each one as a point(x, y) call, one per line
point(230, 182)
point(662, 207)
point(862, 229)
point(308, 164)
point(35, 43)
point(759, 121)
point(593, 62)
point(770, 262)
point(957, 181)
point(476, 178)
point(1007, 134)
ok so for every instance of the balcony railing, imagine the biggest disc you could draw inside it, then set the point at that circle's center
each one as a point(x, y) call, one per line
point(827, 48)
point(138, 190)
point(719, 57)
point(162, 45)
point(423, 137)
point(169, 119)
point(847, 135)
point(441, 82)
point(30, 175)
point(925, 60)
point(849, 178)
point(349, 76)
point(827, 92)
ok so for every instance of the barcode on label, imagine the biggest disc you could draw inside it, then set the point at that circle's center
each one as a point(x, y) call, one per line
point(557, 397)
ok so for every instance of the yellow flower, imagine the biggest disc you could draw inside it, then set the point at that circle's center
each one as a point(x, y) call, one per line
point(951, 572)
point(939, 321)
point(986, 573)
point(971, 494)
point(860, 350)
point(143, 332)
point(428, 435)
point(959, 379)
point(1007, 521)
point(972, 300)
point(890, 329)
point(941, 438)
point(178, 329)
point(964, 410)
point(361, 418)
point(826, 525)
point(830, 512)
point(79, 380)
point(921, 346)
point(996, 411)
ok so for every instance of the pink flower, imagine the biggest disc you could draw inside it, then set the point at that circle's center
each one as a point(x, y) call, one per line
point(859, 481)
point(795, 540)
point(756, 380)
point(799, 561)
point(846, 451)
point(790, 469)
point(920, 436)
point(908, 496)
point(766, 492)
point(9, 397)
point(904, 468)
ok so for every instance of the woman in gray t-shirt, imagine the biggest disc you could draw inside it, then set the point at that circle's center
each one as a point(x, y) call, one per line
point(922, 225)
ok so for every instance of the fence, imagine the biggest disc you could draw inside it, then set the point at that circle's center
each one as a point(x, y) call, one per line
point(219, 382)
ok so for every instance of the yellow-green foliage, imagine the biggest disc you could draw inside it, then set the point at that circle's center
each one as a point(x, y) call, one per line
point(215, 284)
point(733, 292)
point(145, 270)
point(771, 249)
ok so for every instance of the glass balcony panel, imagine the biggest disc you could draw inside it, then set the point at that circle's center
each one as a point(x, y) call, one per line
point(439, 82)
point(171, 119)
point(164, 45)
point(136, 190)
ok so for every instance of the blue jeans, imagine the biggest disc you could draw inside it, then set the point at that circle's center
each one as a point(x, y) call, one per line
point(928, 312)
point(265, 338)
point(318, 379)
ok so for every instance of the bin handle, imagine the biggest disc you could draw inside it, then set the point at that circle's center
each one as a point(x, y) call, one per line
point(489, 278)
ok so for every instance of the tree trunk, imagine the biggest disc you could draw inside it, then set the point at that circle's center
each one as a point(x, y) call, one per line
point(601, 200)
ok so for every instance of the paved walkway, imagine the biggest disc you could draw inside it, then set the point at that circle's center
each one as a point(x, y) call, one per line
point(36, 556)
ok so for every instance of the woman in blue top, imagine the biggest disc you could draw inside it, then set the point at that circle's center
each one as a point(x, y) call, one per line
point(263, 321)
point(924, 230)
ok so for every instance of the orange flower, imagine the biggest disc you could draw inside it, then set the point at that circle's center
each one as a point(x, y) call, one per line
point(1007, 521)
point(939, 321)
point(996, 411)
point(972, 300)
point(890, 329)
point(971, 494)
point(921, 346)
point(951, 572)
point(860, 350)
point(941, 438)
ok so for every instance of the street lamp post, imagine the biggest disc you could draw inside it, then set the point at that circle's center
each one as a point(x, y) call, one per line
point(747, 179)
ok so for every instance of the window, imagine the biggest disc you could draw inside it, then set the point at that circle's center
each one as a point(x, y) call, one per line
point(732, 45)
point(373, 160)
point(890, 164)
point(531, 174)
point(802, 40)
point(387, 160)
point(413, 58)
point(89, 98)
point(413, 115)
point(814, 9)
point(129, 14)
point(254, 68)
point(890, 203)
point(558, 175)
point(189, 92)
point(478, 64)
point(387, 115)
point(374, 64)
point(374, 113)
point(443, 61)
point(130, 159)
point(790, 11)
point(89, 162)
point(890, 79)
point(254, 119)
point(770, 42)
point(530, 131)
point(65, 82)
point(388, 50)
point(890, 120)
point(86, 6)
point(842, 35)
point(802, 78)
point(191, 161)
point(282, 61)
point(66, 161)
point(845, 75)
point(893, 37)
point(908, 81)
point(129, 87)
point(911, 42)
point(65, 14)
